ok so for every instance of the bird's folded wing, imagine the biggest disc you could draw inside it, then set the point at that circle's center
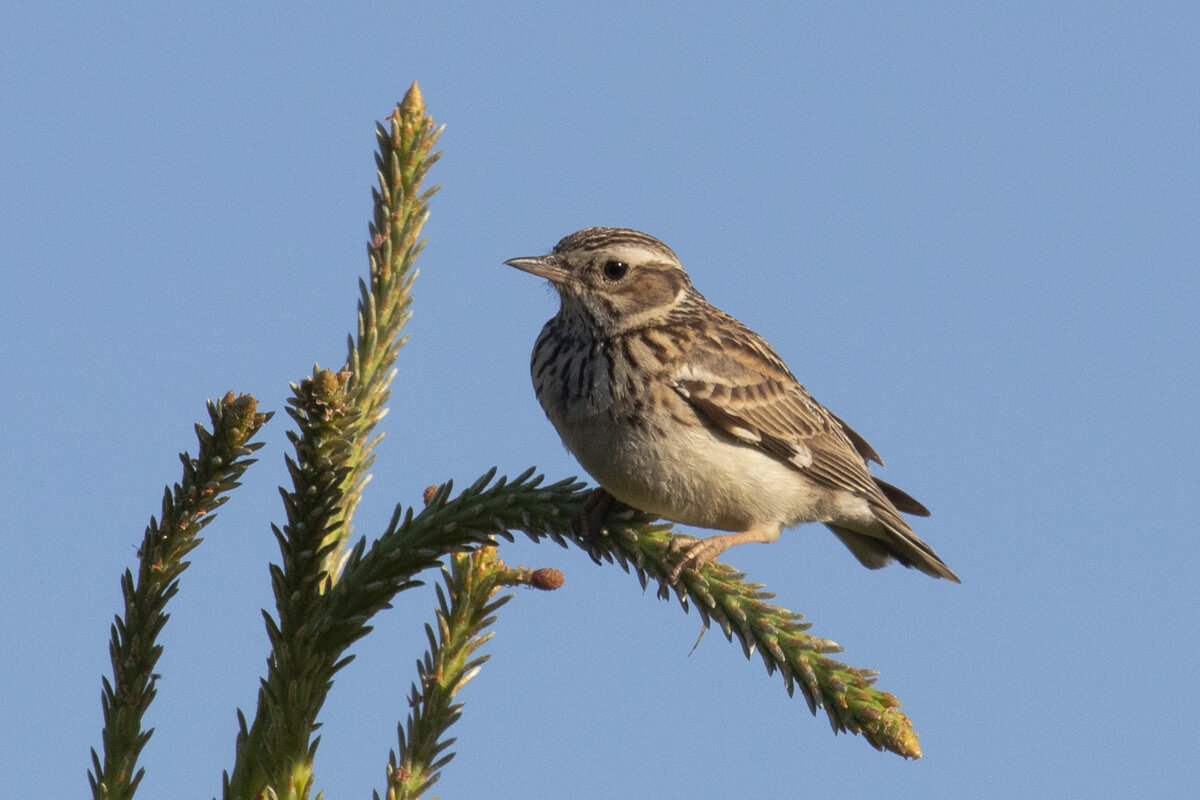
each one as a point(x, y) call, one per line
point(780, 416)
point(755, 414)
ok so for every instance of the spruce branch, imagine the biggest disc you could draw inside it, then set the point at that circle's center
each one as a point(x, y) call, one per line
point(717, 591)
point(415, 542)
point(186, 509)
point(336, 414)
point(466, 607)
point(719, 594)
point(404, 156)
point(275, 751)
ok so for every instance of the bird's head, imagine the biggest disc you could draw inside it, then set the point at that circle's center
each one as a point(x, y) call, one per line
point(617, 278)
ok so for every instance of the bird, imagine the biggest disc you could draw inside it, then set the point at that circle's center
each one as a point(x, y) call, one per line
point(679, 410)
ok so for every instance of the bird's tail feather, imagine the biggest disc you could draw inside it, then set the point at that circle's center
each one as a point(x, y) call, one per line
point(874, 552)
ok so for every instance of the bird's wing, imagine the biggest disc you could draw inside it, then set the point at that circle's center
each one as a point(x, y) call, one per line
point(741, 386)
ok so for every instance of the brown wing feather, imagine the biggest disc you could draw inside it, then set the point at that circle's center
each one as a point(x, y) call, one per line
point(785, 421)
point(902, 499)
point(860, 444)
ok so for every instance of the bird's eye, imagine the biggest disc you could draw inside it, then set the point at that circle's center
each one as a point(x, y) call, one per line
point(615, 270)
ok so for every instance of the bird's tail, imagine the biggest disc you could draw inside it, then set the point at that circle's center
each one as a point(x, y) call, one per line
point(896, 542)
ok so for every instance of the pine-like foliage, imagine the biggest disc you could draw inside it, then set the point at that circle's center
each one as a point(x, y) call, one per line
point(327, 589)
point(186, 509)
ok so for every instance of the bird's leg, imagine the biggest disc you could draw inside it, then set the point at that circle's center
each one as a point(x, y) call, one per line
point(699, 552)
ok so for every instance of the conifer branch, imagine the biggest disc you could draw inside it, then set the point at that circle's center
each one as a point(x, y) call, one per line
point(309, 644)
point(717, 591)
point(465, 608)
point(781, 638)
point(404, 156)
point(336, 414)
point(186, 509)
point(276, 751)
point(412, 543)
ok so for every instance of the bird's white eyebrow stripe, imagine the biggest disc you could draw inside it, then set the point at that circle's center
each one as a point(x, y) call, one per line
point(601, 238)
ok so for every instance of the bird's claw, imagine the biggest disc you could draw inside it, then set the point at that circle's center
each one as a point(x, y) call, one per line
point(591, 515)
point(696, 553)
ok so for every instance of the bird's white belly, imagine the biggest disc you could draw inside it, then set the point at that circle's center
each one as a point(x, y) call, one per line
point(692, 474)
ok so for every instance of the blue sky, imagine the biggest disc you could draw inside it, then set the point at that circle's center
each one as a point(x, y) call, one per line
point(972, 231)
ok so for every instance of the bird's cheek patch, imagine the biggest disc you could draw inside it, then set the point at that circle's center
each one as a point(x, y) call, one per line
point(651, 289)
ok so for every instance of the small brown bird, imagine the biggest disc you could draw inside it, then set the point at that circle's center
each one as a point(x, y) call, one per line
point(679, 410)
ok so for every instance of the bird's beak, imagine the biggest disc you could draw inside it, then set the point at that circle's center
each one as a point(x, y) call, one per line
point(547, 267)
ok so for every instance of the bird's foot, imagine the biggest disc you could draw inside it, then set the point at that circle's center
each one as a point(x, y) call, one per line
point(696, 553)
point(591, 514)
